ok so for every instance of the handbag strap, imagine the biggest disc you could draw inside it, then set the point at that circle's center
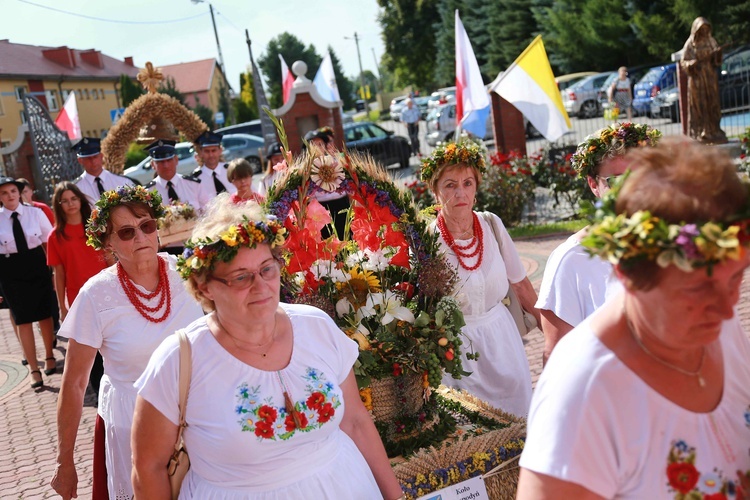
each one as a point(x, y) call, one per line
point(185, 372)
point(488, 217)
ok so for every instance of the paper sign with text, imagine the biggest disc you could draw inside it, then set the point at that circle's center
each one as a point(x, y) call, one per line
point(471, 489)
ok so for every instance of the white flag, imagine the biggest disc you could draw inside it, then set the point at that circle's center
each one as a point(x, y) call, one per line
point(325, 80)
point(67, 120)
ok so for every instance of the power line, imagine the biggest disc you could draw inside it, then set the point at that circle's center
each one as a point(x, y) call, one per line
point(116, 21)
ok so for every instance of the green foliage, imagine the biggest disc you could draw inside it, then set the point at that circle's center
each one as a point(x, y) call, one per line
point(533, 230)
point(512, 28)
point(292, 49)
point(421, 193)
point(407, 28)
point(445, 42)
point(506, 187)
point(225, 104)
point(129, 90)
point(168, 87)
point(552, 169)
point(245, 106)
point(205, 114)
point(134, 155)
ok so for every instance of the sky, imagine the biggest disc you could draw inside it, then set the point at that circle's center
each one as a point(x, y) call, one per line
point(173, 31)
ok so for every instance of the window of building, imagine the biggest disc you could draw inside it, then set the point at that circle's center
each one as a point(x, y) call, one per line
point(80, 94)
point(101, 93)
point(104, 133)
point(20, 91)
point(2, 111)
point(95, 94)
point(23, 116)
point(65, 93)
point(52, 103)
point(86, 94)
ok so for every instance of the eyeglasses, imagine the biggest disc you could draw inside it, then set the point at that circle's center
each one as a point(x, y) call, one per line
point(128, 233)
point(610, 181)
point(70, 201)
point(269, 272)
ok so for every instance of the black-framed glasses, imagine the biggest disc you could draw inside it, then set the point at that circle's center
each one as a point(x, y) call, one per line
point(127, 233)
point(611, 180)
point(269, 271)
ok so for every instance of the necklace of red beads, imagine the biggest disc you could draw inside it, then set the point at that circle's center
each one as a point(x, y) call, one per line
point(135, 295)
point(465, 251)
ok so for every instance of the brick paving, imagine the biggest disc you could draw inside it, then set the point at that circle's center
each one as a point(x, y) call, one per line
point(28, 436)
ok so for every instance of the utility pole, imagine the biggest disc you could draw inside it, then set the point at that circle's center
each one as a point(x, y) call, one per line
point(216, 34)
point(361, 75)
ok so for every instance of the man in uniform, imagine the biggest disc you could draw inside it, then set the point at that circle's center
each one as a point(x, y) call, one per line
point(95, 179)
point(213, 174)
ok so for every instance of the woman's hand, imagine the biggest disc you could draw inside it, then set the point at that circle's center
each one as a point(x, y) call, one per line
point(65, 481)
point(63, 312)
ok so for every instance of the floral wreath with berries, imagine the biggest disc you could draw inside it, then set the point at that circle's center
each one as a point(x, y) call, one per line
point(201, 254)
point(609, 142)
point(465, 152)
point(96, 226)
point(624, 240)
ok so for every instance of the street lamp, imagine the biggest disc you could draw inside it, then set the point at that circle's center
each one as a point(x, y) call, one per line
point(216, 33)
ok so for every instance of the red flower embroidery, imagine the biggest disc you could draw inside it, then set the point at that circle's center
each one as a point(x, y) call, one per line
point(289, 421)
point(682, 476)
point(264, 430)
point(267, 414)
point(316, 400)
point(326, 413)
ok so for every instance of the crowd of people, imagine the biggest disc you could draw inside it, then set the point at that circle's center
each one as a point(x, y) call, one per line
point(644, 392)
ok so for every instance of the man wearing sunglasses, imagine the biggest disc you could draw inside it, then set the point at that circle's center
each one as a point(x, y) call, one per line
point(575, 284)
point(213, 174)
point(96, 179)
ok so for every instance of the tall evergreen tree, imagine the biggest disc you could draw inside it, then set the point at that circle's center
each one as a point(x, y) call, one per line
point(474, 19)
point(293, 50)
point(512, 28)
point(129, 90)
point(445, 42)
point(169, 88)
point(245, 107)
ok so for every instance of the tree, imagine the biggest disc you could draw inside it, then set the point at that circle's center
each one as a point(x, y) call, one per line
point(409, 37)
point(445, 42)
point(293, 50)
point(245, 105)
point(225, 103)
point(205, 114)
point(512, 29)
point(129, 90)
point(169, 88)
point(345, 86)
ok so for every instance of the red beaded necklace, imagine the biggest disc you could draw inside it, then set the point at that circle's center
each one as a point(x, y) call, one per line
point(134, 295)
point(464, 251)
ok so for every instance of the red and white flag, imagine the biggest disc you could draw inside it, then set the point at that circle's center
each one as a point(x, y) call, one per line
point(67, 120)
point(472, 100)
point(287, 80)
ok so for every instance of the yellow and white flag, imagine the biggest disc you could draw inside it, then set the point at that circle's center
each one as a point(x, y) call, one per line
point(529, 85)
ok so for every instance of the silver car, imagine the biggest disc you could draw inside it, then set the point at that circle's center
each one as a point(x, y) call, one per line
point(397, 105)
point(144, 171)
point(582, 98)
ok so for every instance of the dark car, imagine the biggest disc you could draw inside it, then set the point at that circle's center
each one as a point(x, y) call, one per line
point(734, 80)
point(648, 87)
point(386, 148)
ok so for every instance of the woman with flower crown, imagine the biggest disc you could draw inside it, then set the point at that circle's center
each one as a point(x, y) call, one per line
point(649, 396)
point(273, 409)
point(486, 269)
point(575, 284)
point(124, 312)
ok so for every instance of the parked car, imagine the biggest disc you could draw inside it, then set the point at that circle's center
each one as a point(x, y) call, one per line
point(635, 73)
point(252, 127)
point(581, 99)
point(397, 105)
point(649, 86)
point(235, 146)
point(385, 147)
point(565, 81)
point(450, 96)
point(734, 80)
point(144, 171)
point(441, 124)
point(423, 104)
point(666, 104)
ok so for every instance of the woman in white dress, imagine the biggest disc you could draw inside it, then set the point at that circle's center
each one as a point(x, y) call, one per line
point(124, 312)
point(649, 397)
point(501, 374)
point(273, 410)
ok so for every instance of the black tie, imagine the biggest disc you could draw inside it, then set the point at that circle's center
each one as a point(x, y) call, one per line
point(99, 185)
point(18, 235)
point(171, 192)
point(220, 188)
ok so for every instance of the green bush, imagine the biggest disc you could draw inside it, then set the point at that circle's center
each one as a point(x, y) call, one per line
point(135, 155)
point(507, 187)
point(552, 169)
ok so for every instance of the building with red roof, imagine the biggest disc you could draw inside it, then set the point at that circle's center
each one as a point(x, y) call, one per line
point(199, 81)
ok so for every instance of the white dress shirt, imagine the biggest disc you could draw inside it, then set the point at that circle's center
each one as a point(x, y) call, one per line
point(187, 189)
point(87, 184)
point(36, 228)
point(207, 191)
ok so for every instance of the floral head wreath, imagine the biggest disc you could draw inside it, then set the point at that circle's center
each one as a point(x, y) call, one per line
point(202, 254)
point(611, 141)
point(96, 226)
point(466, 152)
point(625, 240)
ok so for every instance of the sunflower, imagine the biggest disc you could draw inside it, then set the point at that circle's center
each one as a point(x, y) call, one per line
point(359, 286)
point(327, 173)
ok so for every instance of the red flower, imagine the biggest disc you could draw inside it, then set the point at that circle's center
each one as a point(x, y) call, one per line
point(289, 424)
point(316, 400)
point(267, 414)
point(397, 370)
point(715, 496)
point(682, 476)
point(405, 287)
point(325, 413)
point(264, 430)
